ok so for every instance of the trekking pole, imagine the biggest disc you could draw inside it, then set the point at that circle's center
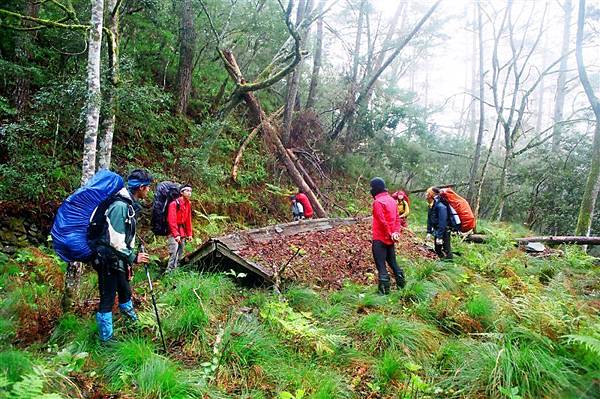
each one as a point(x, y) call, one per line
point(154, 302)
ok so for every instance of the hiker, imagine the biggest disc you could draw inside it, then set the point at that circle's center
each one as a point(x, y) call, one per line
point(403, 207)
point(115, 253)
point(386, 230)
point(437, 224)
point(307, 207)
point(179, 218)
point(297, 208)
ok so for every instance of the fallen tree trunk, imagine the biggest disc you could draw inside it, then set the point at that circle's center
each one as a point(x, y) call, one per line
point(271, 133)
point(247, 140)
point(579, 240)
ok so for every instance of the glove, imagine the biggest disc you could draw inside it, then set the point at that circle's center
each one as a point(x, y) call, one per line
point(428, 237)
point(439, 241)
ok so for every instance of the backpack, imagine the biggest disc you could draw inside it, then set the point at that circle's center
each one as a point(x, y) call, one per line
point(461, 208)
point(79, 220)
point(165, 193)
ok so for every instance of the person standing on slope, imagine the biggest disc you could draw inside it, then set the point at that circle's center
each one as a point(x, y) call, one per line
point(386, 230)
point(179, 219)
point(116, 254)
point(437, 224)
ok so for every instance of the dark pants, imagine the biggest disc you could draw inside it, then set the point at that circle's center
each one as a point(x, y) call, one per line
point(383, 253)
point(444, 250)
point(111, 282)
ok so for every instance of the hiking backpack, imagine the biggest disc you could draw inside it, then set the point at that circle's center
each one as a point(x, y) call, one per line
point(80, 219)
point(165, 193)
point(461, 208)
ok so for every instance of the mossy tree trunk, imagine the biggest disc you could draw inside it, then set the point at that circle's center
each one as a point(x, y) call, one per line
point(588, 202)
point(105, 149)
point(187, 50)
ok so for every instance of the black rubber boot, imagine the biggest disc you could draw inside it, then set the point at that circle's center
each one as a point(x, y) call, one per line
point(400, 282)
point(384, 287)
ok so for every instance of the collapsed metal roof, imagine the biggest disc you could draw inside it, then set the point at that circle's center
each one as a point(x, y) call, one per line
point(222, 253)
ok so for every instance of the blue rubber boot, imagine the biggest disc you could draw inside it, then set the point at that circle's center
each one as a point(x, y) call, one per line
point(105, 326)
point(127, 308)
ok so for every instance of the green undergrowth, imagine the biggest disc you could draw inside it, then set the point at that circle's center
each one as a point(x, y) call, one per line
point(496, 323)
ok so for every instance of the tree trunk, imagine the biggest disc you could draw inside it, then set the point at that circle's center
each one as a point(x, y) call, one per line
point(357, 44)
point(588, 202)
point(293, 82)
point(354, 74)
point(314, 80)
point(271, 133)
point(94, 98)
point(503, 183)
point(562, 78)
point(113, 79)
point(474, 72)
point(22, 91)
point(541, 92)
point(580, 240)
point(369, 81)
point(484, 169)
point(72, 283)
point(472, 193)
point(186, 57)
point(386, 44)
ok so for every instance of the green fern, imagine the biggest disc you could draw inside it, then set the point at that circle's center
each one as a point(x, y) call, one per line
point(31, 386)
point(590, 343)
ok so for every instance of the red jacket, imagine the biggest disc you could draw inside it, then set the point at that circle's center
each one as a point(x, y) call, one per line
point(303, 199)
point(385, 218)
point(179, 217)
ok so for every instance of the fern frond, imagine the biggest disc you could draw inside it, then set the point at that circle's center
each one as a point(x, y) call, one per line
point(592, 344)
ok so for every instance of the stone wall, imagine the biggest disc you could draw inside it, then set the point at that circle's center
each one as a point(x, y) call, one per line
point(17, 232)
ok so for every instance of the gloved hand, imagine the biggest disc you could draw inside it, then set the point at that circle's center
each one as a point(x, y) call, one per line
point(428, 237)
point(395, 236)
point(439, 241)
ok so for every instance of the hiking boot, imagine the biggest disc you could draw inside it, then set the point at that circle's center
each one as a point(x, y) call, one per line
point(109, 343)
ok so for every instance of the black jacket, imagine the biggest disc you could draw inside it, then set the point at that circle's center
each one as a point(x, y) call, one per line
point(437, 218)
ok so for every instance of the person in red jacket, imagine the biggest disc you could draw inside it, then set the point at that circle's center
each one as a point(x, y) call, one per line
point(386, 230)
point(179, 218)
point(303, 199)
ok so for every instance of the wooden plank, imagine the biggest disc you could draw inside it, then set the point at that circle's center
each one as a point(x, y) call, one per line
point(244, 238)
point(251, 266)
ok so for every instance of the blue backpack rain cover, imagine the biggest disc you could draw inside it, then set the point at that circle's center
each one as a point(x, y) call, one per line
point(70, 228)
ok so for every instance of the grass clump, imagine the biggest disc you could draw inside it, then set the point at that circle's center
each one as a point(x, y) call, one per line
point(389, 368)
point(161, 378)
point(481, 308)
point(519, 361)
point(125, 359)
point(382, 333)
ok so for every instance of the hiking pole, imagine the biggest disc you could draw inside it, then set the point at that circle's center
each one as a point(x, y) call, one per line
point(154, 302)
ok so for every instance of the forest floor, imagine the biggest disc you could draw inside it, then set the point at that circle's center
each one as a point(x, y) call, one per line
point(495, 323)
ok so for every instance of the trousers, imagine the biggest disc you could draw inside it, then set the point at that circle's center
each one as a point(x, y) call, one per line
point(444, 250)
point(175, 252)
point(383, 253)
